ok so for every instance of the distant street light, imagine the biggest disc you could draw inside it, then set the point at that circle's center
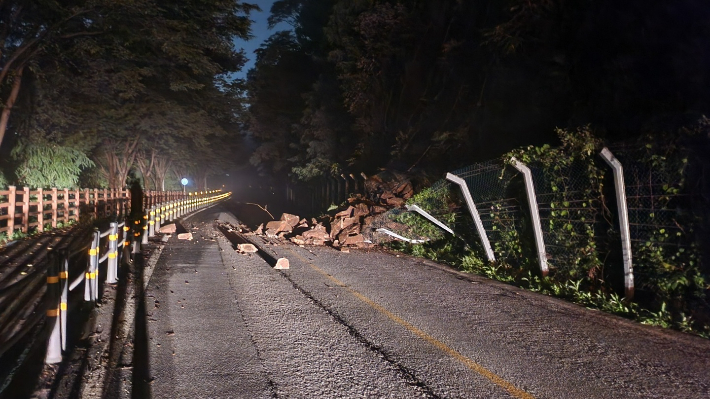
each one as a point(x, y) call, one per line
point(184, 183)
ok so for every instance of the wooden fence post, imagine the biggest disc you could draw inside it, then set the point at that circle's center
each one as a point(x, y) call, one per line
point(11, 211)
point(77, 203)
point(55, 205)
point(40, 210)
point(96, 202)
point(87, 200)
point(26, 209)
point(66, 206)
point(114, 202)
point(106, 204)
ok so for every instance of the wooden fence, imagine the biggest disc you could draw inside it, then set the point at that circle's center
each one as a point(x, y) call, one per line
point(26, 210)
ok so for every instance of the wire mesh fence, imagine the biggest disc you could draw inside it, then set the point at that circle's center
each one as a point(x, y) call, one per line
point(570, 213)
point(497, 190)
point(574, 204)
point(577, 209)
point(661, 218)
point(438, 201)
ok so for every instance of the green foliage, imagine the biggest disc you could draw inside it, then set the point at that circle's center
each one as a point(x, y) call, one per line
point(94, 178)
point(3, 181)
point(113, 71)
point(666, 264)
point(18, 235)
point(44, 164)
point(508, 245)
point(669, 272)
point(572, 182)
point(432, 200)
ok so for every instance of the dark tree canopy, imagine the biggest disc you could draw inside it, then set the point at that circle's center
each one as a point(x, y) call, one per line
point(131, 78)
point(435, 84)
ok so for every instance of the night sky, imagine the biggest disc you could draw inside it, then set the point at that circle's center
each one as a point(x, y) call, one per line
point(260, 31)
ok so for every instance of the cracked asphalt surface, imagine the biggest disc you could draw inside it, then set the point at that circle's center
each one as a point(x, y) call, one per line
point(368, 324)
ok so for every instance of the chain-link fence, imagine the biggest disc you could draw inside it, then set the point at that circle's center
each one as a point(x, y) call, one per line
point(570, 207)
point(402, 224)
point(576, 202)
point(497, 190)
point(575, 206)
point(662, 222)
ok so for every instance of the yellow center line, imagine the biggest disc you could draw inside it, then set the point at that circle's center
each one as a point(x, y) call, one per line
point(493, 377)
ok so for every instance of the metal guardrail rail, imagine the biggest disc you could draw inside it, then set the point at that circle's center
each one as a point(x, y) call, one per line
point(110, 247)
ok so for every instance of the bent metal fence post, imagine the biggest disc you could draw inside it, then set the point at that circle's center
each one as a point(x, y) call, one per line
point(623, 220)
point(429, 217)
point(474, 215)
point(534, 214)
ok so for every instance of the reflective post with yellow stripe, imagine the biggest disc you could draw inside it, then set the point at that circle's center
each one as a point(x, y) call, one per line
point(146, 219)
point(151, 221)
point(54, 347)
point(64, 286)
point(136, 231)
point(159, 216)
point(112, 266)
point(125, 240)
point(171, 211)
point(91, 278)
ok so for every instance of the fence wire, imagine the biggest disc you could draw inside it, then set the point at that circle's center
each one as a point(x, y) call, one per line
point(654, 201)
point(438, 202)
point(496, 191)
point(661, 218)
point(668, 210)
point(571, 218)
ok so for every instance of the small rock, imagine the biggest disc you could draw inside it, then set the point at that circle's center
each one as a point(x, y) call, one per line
point(247, 248)
point(282, 264)
point(168, 229)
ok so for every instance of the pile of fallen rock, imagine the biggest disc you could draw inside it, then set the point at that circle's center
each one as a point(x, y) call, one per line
point(345, 228)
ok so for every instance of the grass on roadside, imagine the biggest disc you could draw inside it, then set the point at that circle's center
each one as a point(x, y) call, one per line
point(454, 252)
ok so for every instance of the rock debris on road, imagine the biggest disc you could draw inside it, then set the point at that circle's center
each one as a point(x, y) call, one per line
point(366, 324)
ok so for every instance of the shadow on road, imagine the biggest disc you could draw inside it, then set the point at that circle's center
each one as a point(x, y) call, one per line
point(141, 358)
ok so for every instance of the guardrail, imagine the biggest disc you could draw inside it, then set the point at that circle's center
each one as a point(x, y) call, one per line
point(110, 247)
point(58, 278)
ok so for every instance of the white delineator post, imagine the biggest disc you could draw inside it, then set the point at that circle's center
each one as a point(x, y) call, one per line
point(534, 214)
point(112, 267)
point(54, 345)
point(474, 214)
point(623, 221)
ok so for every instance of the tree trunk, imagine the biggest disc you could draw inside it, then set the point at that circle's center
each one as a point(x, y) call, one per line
point(5, 116)
point(146, 168)
point(162, 166)
point(119, 163)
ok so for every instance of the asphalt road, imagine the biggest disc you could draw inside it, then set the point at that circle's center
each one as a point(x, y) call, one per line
point(368, 324)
